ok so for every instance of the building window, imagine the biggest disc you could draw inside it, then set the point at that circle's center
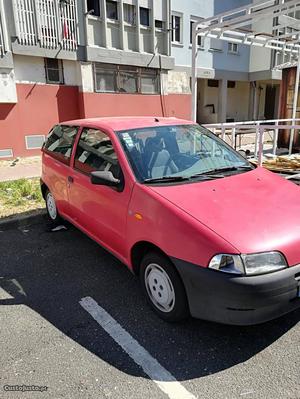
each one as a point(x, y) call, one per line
point(126, 79)
point(176, 29)
point(149, 81)
point(159, 24)
point(93, 7)
point(231, 84)
point(144, 16)
point(212, 83)
point(112, 9)
point(54, 71)
point(106, 78)
point(233, 48)
point(129, 13)
point(199, 38)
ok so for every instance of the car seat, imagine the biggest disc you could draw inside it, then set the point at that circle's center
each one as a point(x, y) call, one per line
point(158, 159)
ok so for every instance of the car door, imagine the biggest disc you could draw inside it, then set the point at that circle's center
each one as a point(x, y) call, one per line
point(99, 210)
point(57, 152)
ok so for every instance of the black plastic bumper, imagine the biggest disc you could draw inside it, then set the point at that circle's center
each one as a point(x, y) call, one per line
point(239, 300)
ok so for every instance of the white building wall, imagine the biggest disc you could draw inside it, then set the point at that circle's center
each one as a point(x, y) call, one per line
point(237, 102)
point(71, 73)
point(32, 70)
point(8, 92)
point(29, 69)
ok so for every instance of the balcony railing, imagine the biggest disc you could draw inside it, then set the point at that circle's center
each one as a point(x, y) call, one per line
point(1, 38)
point(3, 33)
point(51, 24)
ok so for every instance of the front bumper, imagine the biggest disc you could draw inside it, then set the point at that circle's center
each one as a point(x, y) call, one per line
point(239, 300)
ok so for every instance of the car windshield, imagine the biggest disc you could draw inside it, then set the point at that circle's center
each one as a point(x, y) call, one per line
point(179, 152)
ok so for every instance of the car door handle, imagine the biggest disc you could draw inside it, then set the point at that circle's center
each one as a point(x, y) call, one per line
point(70, 179)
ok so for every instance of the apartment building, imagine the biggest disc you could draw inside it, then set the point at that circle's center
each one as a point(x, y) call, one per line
point(235, 82)
point(67, 59)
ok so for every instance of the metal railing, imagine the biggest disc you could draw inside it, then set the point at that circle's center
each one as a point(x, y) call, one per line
point(49, 23)
point(3, 32)
point(1, 37)
point(258, 128)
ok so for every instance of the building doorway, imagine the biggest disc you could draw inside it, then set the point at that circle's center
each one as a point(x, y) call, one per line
point(270, 102)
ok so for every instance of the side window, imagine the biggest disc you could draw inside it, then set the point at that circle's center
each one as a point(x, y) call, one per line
point(60, 142)
point(95, 152)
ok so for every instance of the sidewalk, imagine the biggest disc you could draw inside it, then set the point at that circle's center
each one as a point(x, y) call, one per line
point(20, 168)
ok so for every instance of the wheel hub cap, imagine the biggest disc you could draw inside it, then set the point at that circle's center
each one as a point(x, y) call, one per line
point(160, 288)
point(51, 206)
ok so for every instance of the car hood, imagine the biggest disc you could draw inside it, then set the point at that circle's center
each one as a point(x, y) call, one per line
point(254, 211)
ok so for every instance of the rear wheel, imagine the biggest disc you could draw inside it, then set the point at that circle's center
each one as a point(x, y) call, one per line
point(163, 287)
point(51, 207)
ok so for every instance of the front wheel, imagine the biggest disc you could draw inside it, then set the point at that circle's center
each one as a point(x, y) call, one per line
point(51, 207)
point(163, 287)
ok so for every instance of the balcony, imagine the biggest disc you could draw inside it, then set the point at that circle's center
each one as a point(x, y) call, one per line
point(46, 24)
point(3, 33)
point(2, 51)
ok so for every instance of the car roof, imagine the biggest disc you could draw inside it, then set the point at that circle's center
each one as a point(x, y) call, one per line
point(128, 122)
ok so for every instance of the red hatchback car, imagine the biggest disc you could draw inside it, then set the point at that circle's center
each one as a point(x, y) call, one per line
point(208, 233)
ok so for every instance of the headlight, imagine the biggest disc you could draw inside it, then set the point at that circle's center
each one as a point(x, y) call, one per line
point(249, 264)
point(264, 263)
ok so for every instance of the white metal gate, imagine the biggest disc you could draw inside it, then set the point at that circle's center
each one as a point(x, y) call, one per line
point(1, 37)
point(25, 21)
point(49, 23)
point(68, 22)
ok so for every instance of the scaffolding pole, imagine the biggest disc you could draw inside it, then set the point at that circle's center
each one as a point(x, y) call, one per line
point(295, 102)
point(194, 73)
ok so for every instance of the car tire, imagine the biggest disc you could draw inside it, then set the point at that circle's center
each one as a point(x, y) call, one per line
point(51, 207)
point(163, 288)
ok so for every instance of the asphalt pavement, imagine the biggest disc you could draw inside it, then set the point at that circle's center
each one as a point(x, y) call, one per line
point(48, 339)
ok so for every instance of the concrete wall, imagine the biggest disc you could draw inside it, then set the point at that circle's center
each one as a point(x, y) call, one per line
point(119, 34)
point(39, 107)
point(8, 92)
point(32, 70)
point(105, 104)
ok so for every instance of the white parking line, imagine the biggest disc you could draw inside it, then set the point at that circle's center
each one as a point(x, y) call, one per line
point(165, 380)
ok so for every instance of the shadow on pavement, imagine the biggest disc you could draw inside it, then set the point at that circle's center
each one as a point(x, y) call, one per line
point(50, 272)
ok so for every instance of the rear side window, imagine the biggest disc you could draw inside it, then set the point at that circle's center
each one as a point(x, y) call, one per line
point(95, 152)
point(60, 142)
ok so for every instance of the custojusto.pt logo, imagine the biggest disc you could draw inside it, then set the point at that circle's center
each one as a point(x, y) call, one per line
point(25, 388)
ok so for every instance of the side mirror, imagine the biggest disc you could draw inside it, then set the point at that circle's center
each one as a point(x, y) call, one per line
point(104, 178)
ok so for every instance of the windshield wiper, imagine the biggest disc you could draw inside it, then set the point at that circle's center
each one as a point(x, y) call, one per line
point(226, 169)
point(210, 174)
point(165, 179)
point(207, 176)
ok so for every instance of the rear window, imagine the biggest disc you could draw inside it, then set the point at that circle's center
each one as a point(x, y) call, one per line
point(60, 141)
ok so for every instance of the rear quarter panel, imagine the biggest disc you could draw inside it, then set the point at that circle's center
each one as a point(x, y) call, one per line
point(54, 175)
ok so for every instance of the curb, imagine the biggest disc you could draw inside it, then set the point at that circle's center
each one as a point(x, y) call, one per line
point(33, 217)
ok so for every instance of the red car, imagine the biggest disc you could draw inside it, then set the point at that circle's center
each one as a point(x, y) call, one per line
point(208, 233)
